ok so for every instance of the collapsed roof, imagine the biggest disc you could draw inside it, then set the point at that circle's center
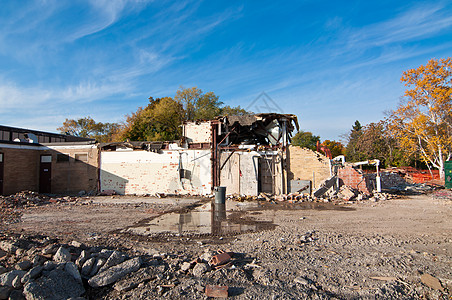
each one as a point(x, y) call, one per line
point(259, 129)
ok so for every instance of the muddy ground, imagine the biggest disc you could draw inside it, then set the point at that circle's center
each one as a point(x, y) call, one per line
point(364, 250)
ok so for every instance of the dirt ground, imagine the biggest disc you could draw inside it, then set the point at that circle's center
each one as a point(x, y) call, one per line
point(368, 250)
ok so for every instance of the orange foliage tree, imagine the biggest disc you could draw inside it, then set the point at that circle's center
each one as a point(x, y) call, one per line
point(423, 120)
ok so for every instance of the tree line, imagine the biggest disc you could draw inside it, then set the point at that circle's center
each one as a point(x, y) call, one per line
point(417, 132)
point(159, 120)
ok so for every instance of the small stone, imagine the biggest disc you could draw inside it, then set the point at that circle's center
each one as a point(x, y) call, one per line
point(49, 265)
point(115, 258)
point(185, 266)
point(8, 246)
point(82, 259)
point(57, 284)
point(115, 273)
point(17, 284)
point(431, 282)
point(301, 280)
point(88, 266)
point(24, 265)
point(32, 274)
point(72, 269)
point(62, 255)
point(200, 269)
point(50, 249)
point(7, 278)
point(76, 244)
point(38, 260)
point(99, 263)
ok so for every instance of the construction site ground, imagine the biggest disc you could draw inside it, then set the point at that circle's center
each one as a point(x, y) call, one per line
point(384, 249)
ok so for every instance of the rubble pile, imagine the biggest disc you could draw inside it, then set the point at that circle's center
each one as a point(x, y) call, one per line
point(45, 269)
point(26, 199)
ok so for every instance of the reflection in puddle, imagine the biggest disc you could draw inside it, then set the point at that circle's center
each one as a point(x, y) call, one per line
point(216, 221)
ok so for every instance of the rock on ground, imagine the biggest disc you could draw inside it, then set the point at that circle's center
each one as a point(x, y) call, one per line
point(116, 272)
point(56, 285)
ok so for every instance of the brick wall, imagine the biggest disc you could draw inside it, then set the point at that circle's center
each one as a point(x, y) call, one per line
point(198, 132)
point(305, 164)
point(22, 162)
point(21, 170)
point(71, 177)
point(353, 178)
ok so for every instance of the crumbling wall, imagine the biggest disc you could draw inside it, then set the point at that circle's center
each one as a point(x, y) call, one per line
point(198, 132)
point(143, 172)
point(71, 175)
point(305, 164)
point(239, 174)
point(354, 178)
point(21, 168)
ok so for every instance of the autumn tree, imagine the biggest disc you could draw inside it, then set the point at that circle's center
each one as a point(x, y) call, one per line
point(305, 139)
point(335, 147)
point(87, 127)
point(159, 120)
point(422, 122)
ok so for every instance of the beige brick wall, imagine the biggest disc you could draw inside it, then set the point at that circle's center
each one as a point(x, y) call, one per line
point(74, 176)
point(305, 164)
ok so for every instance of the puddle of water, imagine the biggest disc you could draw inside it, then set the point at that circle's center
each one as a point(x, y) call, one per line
point(215, 220)
point(204, 220)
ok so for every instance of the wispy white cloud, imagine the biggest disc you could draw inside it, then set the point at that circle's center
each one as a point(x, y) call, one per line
point(418, 22)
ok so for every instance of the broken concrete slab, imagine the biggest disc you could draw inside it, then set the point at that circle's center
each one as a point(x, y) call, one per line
point(62, 255)
point(115, 273)
point(6, 279)
point(57, 284)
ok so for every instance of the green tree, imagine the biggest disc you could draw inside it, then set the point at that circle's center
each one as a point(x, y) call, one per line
point(197, 104)
point(233, 111)
point(305, 139)
point(351, 150)
point(87, 127)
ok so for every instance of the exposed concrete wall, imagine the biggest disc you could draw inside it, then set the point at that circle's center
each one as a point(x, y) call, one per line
point(198, 132)
point(305, 164)
point(71, 177)
point(240, 174)
point(142, 172)
point(21, 168)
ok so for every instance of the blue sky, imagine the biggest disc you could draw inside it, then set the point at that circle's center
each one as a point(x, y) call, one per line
point(328, 62)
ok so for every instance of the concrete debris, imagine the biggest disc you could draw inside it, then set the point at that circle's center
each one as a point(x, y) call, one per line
point(62, 255)
point(57, 284)
point(347, 193)
point(114, 273)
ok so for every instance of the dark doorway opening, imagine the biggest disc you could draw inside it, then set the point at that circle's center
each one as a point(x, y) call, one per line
point(45, 174)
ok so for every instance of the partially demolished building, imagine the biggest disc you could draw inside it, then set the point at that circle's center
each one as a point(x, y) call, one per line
point(249, 155)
